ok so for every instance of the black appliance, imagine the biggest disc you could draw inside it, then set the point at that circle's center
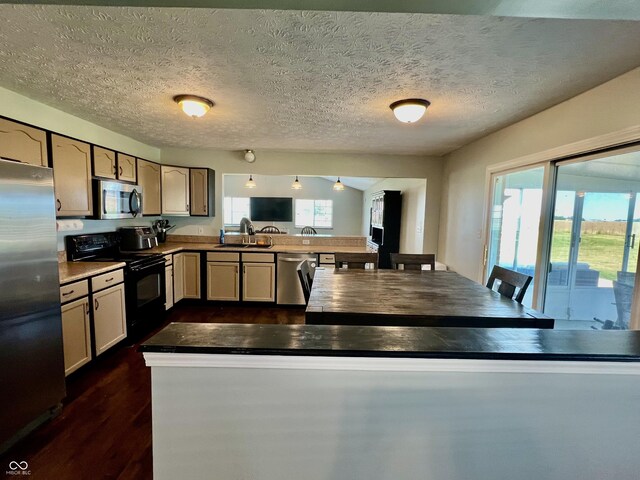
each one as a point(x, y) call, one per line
point(384, 227)
point(144, 276)
point(271, 209)
point(137, 238)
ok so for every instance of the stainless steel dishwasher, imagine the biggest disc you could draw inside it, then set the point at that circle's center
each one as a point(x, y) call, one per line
point(289, 289)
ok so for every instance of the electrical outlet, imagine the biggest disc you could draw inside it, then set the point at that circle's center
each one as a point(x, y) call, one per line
point(306, 242)
point(200, 230)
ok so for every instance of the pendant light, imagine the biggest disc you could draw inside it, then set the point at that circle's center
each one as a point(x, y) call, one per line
point(338, 186)
point(296, 185)
point(409, 110)
point(193, 105)
point(250, 183)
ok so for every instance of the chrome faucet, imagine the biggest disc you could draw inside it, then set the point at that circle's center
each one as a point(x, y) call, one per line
point(270, 241)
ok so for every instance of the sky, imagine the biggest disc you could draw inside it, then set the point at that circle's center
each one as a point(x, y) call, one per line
point(597, 206)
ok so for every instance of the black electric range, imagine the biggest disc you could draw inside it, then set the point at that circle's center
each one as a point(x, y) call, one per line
point(144, 276)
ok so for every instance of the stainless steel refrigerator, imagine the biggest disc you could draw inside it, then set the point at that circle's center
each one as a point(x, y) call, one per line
point(31, 357)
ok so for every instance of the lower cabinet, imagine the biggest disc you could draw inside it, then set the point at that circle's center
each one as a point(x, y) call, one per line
point(223, 281)
point(76, 334)
point(109, 317)
point(169, 287)
point(258, 282)
point(186, 276)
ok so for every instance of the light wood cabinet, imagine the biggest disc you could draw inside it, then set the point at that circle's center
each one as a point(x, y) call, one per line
point(109, 317)
point(175, 190)
point(72, 176)
point(178, 277)
point(149, 180)
point(104, 163)
point(202, 186)
point(168, 271)
point(126, 167)
point(76, 334)
point(191, 274)
point(258, 282)
point(23, 143)
point(223, 281)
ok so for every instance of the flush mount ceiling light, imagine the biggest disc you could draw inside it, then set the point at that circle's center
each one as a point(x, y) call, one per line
point(250, 183)
point(409, 110)
point(338, 186)
point(249, 156)
point(296, 185)
point(193, 105)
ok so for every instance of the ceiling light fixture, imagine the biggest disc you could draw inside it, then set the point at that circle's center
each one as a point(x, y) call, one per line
point(249, 156)
point(409, 110)
point(250, 183)
point(338, 186)
point(296, 185)
point(193, 105)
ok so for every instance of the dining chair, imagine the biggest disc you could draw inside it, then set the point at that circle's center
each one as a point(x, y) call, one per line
point(308, 231)
point(304, 275)
point(270, 229)
point(509, 281)
point(413, 261)
point(356, 260)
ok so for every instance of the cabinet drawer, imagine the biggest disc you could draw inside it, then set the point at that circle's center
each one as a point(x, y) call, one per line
point(258, 257)
point(168, 260)
point(71, 291)
point(107, 280)
point(327, 258)
point(223, 256)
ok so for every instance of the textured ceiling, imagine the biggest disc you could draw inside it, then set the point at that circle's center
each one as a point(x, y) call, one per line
point(297, 80)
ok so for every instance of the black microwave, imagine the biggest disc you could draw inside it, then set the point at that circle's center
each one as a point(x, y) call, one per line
point(117, 200)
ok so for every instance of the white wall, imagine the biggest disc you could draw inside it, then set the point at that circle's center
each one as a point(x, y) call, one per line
point(347, 204)
point(413, 236)
point(610, 109)
point(313, 164)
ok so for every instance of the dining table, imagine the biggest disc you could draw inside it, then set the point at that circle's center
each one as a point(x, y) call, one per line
point(426, 298)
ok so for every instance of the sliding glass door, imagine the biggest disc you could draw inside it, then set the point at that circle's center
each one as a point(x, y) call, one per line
point(594, 243)
point(515, 219)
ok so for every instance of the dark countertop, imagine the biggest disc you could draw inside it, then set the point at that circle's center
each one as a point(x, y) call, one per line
point(408, 342)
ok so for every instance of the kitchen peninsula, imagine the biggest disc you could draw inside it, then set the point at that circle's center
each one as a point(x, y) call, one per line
point(319, 402)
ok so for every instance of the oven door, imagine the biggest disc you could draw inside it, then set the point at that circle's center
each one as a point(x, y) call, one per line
point(118, 200)
point(145, 296)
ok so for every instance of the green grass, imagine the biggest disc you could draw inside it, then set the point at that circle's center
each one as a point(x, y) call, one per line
point(602, 252)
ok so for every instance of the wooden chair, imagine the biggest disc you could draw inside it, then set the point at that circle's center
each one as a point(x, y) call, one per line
point(413, 262)
point(356, 260)
point(308, 231)
point(270, 229)
point(509, 281)
point(304, 275)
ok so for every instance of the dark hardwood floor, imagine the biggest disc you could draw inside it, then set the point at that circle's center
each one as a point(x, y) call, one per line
point(104, 428)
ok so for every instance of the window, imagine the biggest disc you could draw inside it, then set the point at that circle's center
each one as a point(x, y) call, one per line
point(314, 213)
point(234, 209)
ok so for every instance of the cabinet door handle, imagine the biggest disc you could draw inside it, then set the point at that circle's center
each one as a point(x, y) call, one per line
point(86, 308)
point(110, 279)
point(68, 293)
point(244, 269)
point(59, 204)
point(120, 171)
point(96, 305)
point(115, 170)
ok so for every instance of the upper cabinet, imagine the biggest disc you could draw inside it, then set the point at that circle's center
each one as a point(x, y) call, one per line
point(126, 168)
point(104, 163)
point(72, 176)
point(22, 143)
point(202, 192)
point(149, 180)
point(175, 190)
